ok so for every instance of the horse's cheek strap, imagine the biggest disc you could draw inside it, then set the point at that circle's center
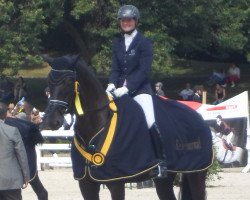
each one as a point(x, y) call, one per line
point(77, 100)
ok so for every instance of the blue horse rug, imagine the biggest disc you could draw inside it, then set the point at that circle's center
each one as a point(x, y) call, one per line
point(186, 137)
point(131, 151)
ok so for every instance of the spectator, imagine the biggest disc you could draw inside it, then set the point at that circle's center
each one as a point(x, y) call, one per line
point(218, 76)
point(20, 89)
point(14, 168)
point(31, 136)
point(158, 89)
point(219, 94)
point(198, 93)
point(233, 75)
point(187, 93)
point(11, 107)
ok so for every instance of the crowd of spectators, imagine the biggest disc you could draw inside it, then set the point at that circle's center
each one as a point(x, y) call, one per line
point(217, 84)
point(212, 91)
point(15, 96)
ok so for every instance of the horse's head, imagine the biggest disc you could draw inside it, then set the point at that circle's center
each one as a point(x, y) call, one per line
point(61, 82)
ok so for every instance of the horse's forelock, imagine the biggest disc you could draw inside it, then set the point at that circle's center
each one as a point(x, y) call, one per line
point(63, 63)
point(56, 77)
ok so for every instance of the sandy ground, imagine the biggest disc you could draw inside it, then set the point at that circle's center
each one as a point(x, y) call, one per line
point(60, 184)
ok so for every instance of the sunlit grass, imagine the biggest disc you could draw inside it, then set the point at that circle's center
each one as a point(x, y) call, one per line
point(36, 72)
point(179, 68)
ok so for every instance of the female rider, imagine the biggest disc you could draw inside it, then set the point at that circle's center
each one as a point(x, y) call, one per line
point(132, 56)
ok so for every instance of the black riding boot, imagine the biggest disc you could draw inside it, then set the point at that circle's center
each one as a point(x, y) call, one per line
point(159, 150)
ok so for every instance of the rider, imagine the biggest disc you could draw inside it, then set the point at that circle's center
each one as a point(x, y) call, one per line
point(225, 130)
point(132, 56)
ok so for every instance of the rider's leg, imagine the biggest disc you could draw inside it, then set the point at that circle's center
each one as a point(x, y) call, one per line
point(146, 102)
point(229, 139)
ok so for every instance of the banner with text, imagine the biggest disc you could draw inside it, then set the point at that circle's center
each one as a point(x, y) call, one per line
point(229, 122)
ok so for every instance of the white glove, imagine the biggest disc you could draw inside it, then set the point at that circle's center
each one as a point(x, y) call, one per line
point(110, 87)
point(121, 91)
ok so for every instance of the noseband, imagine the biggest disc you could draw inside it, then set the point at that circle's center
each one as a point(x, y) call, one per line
point(59, 103)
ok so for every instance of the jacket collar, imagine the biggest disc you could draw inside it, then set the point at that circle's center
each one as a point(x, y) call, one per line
point(135, 41)
point(133, 44)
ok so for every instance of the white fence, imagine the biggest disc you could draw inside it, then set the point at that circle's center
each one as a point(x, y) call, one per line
point(65, 161)
point(53, 158)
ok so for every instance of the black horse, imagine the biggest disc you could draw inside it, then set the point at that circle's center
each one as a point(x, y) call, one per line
point(75, 89)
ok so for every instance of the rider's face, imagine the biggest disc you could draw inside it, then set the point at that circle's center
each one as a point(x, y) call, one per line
point(127, 24)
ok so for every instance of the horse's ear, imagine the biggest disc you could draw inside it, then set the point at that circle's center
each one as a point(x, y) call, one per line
point(72, 61)
point(61, 63)
point(48, 59)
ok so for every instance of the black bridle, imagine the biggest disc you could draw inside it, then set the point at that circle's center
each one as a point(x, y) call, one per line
point(56, 77)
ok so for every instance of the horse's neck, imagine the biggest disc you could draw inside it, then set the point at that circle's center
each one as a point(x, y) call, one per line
point(92, 94)
point(95, 104)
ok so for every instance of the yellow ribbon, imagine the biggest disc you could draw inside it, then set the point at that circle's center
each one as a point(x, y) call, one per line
point(77, 100)
point(98, 158)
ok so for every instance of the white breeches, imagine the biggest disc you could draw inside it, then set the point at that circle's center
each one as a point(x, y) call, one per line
point(146, 102)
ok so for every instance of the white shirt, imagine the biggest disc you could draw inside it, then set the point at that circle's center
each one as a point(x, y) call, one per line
point(129, 38)
point(234, 71)
point(185, 93)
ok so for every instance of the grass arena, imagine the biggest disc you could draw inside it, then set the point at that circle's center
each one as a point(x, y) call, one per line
point(61, 186)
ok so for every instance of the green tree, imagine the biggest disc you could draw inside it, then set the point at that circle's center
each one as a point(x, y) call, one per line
point(21, 23)
point(208, 28)
point(184, 28)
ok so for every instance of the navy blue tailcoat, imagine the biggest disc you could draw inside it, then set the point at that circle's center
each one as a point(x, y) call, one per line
point(133, 65)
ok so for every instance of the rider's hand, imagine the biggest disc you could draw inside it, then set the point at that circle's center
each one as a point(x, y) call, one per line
point(121, 91)
point(25, 185)
point(110, 88)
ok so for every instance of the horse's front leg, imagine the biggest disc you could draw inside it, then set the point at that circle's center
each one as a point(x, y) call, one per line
point(165, 187)
point(38, 188)
point(89, 189)
point(117, 190)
